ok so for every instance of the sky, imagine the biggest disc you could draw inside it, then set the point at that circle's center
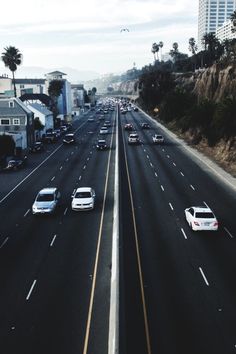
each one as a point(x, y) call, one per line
point(86, 35)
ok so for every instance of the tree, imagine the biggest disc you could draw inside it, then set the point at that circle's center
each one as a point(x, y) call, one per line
point(54, 90)
point(161, 44)
point(192, 45)
point(7, 145)
point(233, 20)
point(12, 58)
point(175, 51)
point(155, 50)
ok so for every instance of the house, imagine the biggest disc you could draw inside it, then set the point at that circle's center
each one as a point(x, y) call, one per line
point(45, 117)
point(18, 121)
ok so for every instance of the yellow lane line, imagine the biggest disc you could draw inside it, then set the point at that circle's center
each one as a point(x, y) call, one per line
point(138, 258)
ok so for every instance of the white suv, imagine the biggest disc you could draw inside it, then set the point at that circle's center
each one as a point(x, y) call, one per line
point(46, 201)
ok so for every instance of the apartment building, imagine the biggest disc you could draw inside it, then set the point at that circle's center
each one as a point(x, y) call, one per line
point(213, 14)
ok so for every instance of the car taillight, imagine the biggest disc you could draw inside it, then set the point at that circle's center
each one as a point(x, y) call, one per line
point(216, 223)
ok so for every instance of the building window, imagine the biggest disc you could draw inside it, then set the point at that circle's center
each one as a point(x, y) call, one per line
point(22, 86)
point(11, 104)
point(4, 121)
point(16, 121)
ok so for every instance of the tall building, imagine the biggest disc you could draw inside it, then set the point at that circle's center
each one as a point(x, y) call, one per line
point(212, 14)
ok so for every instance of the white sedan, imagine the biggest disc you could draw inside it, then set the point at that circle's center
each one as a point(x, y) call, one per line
point(83, 198)
point(103, 130)
point(158, 139)
point(201, 218)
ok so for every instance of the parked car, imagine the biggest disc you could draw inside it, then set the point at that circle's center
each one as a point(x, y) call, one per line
point(158, 139)
point(83, 198)
point(69, 139)
point(201, 218)
point(50, 138)
point(101, 144)
point(37, 147)
point(46, 201)
point(16, 163)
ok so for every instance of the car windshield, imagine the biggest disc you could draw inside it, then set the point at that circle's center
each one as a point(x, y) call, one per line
point(83, 195)
point(204, 215)
point(45, 198)
point(159, 136)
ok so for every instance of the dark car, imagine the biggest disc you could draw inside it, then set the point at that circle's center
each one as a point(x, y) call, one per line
point(69, 139)
point(128, 126)
point(16, 163)
point(101, 144)
point(145, 126)
point(37, 147)
point(50, 138)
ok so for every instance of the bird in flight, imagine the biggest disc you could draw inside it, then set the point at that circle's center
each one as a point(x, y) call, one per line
point(124, 30)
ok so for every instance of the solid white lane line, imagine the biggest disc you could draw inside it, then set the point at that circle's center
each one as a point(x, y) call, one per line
point(65, 211)
point(192, 187)
point(31, 289)
point(182, 174)
point(4, 242)
point(228, 232)
point(52, 179)
point(184, 234)
point(171, 206)
point(53, 240)
point(162, 188)
point(27, 213)
point(203, 275)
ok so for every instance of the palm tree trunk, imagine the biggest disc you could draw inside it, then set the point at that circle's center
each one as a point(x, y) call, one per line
point(14, 83)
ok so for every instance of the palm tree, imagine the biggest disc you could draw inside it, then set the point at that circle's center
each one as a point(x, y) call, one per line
point(154, 50)
point(233, 20)
point(192, 45)
point(161, 44)
point(12, 58)
point(175, 51)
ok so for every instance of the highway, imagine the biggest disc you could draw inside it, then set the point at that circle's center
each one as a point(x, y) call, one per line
point(182, 295)
point(176, 286)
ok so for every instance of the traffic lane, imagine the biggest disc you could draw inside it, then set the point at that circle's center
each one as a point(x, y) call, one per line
point(132, 335)
point(161, 244)
point(54, 241)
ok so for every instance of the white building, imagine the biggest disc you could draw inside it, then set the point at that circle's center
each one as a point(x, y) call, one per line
point(213, 14)
point(225, 31)
point(44, 115)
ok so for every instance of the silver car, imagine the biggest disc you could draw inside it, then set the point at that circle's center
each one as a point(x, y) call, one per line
point(46, 201)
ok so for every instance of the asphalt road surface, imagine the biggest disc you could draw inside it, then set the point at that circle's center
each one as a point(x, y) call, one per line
point(177, 287)
point(55, 270)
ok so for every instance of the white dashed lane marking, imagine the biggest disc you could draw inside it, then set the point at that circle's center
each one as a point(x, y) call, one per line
point(4, 242)
point(26, 213)
point(171, 206)
point(192, 187)
point(182, 230)
point(203, 275)
point(31, 289)
point(182, 174)
point(52, 179)
point(53, 240)
point(229, 233)
point(163, 189)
